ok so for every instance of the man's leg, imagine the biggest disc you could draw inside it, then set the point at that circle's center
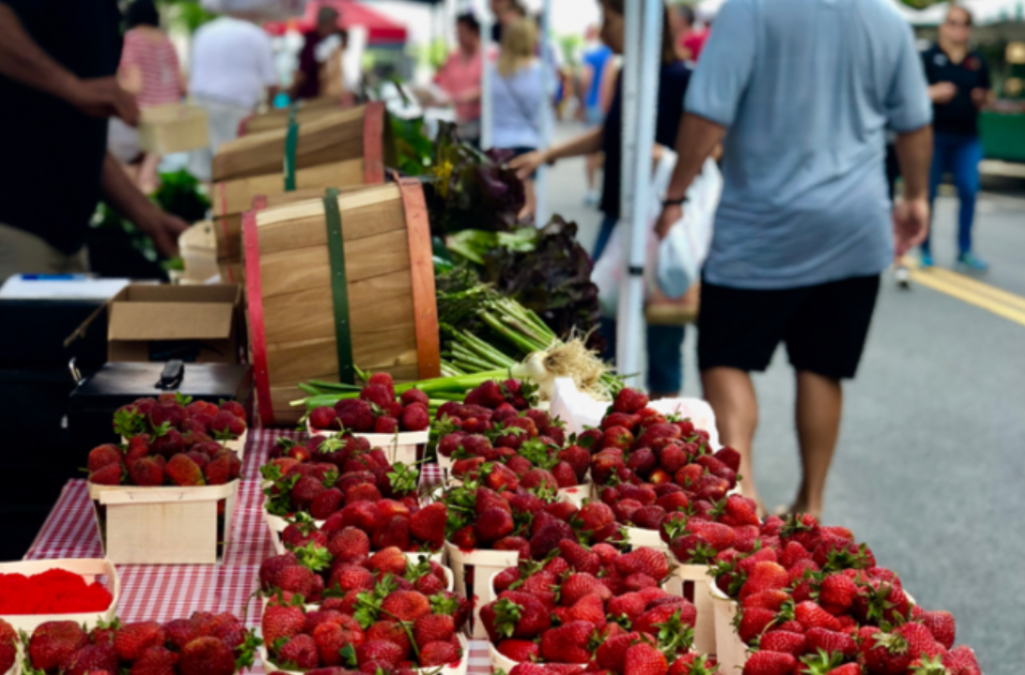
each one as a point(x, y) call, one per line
point(940, 161)
point(731, 393)
point(966, 179)
point(665, 361)
point(819, 404)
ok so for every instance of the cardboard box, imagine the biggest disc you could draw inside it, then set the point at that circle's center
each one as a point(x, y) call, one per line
point(197, 324)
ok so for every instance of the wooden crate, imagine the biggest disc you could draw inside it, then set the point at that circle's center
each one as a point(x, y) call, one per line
point(305, 112)
point(357, 133)
point(386, 305)
point(89, 568)
point(174, 127)
point(164, 525)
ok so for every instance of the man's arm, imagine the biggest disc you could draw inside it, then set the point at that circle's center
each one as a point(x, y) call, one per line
point(911, 214)
point(125, 198)
point(22, 60)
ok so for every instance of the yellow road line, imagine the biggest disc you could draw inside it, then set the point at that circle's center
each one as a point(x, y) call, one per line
point(954, 285)
point(974, 285)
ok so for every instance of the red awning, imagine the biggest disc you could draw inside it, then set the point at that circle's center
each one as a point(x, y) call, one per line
point(380, 29)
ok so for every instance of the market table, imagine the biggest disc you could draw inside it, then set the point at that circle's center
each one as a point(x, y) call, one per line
point(165, 592)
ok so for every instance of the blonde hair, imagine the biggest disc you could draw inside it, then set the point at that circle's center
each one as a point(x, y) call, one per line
point(519, 45)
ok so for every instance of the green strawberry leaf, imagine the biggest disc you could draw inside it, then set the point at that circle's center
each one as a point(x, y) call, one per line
point(348, 654)
point(507, 613)
point(128, 423)
point(182, 399)
point(403, 478)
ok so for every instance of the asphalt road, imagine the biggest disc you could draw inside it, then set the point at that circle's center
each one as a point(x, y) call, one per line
point(930, 468)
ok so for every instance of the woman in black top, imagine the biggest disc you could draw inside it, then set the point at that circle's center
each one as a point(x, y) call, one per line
point(958, 86)
point(665, 359)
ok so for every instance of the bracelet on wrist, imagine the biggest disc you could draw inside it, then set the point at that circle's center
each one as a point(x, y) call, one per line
point(674, 202)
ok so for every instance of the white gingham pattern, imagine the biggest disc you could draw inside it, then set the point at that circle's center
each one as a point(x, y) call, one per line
point(165, 592)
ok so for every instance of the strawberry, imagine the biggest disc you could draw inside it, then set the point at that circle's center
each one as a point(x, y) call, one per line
point(282, 622)
point(644, 659)
point(155, 661)
point(921, 643)
point(134, 638)
point(961, 659)
point(111, 474)
point(299, 653)
point(941, 624)
point(391, 631)
point(886, 654)
point(411, 396)
point(415, 417)
point(8, 646)
point(830, 641)
point(810, 615)
point(349, 543)
point(91, 658)
point(753, 623)
point(628, 605)
point(406, 605)
point(433, 628)
point(392, 532)
point(567, 643)
point(548, 537)
point(384, 654)
point(719, 536)
point(770, 663)
point(579, 585)
point(104, 455)
point(518, 615)
point(629, 401)
point(770, 599)
point(324, 417)
point(146, 471)
point(837, 593)
point(332, 637)
point(355, 414)
point(589, 608)
point(765, 575)
point(428, 524)
point(53, 642)
point(577, 556)
point(783, 641)
point(439, 654)
point(493, 524)
point(651, 621)
point(519, 650)
point(643, 561)
point(183, 471)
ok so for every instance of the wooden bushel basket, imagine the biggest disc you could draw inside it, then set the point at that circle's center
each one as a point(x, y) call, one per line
point(314, 314)
point(357, 133)
point(164, 129)
point(164, 525)
point(306, 111)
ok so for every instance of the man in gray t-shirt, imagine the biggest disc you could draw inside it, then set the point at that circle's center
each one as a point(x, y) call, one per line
point(803, 92)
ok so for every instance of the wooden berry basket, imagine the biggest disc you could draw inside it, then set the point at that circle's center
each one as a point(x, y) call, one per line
point(335, 283)
point(305, 112)
point(164, 525)
point(486, 564)
point(730, 651)
point(405, 446)
point(704, 629)
point(458, 668)
point(89, 568)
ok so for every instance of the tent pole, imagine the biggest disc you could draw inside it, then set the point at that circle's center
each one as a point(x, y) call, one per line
point(545, 116)
point(641, 65)
point(485, 80)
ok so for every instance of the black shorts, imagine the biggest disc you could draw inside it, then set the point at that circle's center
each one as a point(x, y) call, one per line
point(823, 326)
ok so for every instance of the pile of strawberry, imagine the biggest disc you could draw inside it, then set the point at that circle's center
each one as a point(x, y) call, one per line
point(204, 644)
point(530, 444)
point(473, 415)
point(492, 512)
point(811, 600)
point(376, 410)
point(171, 440)
point(355, 485)
point(595, 607)
point(389, 626)
point(335, 572)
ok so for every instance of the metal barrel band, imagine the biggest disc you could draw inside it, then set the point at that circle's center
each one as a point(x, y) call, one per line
point(339, 286)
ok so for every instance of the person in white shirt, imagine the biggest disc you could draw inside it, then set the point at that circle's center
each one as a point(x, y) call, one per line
point(232, 68)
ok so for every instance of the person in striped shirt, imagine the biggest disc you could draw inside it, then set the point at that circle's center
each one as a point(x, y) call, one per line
point(149, 69)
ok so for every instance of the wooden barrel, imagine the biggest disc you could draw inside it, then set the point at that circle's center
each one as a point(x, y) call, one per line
point(356, 133)
point(337, 282)
point(353, 164)
point(306, 111)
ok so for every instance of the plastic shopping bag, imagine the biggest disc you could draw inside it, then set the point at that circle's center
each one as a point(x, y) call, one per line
point(685, 247)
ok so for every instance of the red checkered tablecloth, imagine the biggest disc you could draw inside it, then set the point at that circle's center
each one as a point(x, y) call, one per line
point(165, 592)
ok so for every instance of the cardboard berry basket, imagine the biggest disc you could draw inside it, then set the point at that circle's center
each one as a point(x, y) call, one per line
point(404, 446)
point(88, 568)
point(164, 525)
point(457, 668)
point(730, 651)
point(485, 565)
